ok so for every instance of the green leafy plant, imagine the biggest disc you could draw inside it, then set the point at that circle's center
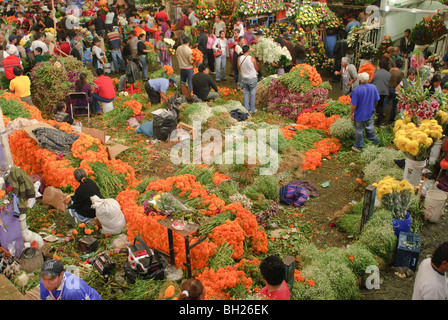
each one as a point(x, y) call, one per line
point(52, 81)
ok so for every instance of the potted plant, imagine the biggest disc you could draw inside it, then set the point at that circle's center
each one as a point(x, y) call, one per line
point(395, 196)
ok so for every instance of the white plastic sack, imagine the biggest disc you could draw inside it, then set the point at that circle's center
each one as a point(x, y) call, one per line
point(109, 214)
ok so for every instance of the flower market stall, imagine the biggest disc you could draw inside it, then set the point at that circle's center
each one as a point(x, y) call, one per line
point(327, 212)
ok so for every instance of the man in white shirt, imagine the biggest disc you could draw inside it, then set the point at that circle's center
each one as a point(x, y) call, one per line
point(192, 16)
point(39, 42)
point(431, 281)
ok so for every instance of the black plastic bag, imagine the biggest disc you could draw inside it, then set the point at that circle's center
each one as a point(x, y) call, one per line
point(165, 122)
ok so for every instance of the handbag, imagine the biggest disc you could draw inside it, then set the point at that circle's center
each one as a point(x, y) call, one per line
point(217, 53)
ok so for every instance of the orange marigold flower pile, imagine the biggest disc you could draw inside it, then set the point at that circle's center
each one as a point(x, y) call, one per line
point(345, 99)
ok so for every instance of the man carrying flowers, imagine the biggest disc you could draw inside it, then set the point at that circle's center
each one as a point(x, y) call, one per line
point(363, 102)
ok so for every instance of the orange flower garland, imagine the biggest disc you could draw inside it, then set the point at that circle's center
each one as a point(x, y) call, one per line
point(322, 149)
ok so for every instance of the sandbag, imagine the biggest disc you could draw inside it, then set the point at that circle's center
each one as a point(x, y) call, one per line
point(109, 214)
point(54, 197)
point(165, 122)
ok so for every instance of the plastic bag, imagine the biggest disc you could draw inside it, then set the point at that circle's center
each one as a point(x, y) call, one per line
point(109, 214)
point(165, 122)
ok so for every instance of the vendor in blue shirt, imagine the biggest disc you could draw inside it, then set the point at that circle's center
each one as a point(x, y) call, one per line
point(55, 284)
point(157, 88)
point(363, 101)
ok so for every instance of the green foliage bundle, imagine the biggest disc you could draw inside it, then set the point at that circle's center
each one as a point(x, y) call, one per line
point(52, 81)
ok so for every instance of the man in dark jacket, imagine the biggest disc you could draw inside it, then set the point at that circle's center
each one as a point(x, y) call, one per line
point(132, 74)
point(339, 51)
point(202, 82)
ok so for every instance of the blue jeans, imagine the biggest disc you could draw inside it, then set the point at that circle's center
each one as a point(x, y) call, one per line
point(186, 76)
point(144, 65)
point(96, 98)
point(220, 67)
point(118, 61)
point(360, 126)
point(249, 92)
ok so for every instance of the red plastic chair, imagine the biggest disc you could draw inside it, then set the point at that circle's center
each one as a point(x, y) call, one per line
point(131, 88)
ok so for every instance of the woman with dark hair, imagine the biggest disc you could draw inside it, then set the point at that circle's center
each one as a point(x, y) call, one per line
point(80, 209)
point(81, 85)
point(436, 84)
point(192, 289)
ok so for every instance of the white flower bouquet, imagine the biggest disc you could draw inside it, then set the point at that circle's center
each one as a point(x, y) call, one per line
point(269, 51)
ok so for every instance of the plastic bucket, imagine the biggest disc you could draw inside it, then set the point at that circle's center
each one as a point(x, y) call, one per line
point(413, 171)
point(435, 152)
point(402, 225)
point(434, 204)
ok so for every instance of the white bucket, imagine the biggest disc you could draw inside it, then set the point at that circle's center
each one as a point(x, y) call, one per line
point(107, 106)
point(413, 171)
point(107, 68)
point(435, 151)
point(434, 204)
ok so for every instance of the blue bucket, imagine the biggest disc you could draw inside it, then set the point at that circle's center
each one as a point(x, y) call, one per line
point(402, 225)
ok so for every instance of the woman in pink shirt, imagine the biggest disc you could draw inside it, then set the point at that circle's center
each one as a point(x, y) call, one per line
point(209, 50)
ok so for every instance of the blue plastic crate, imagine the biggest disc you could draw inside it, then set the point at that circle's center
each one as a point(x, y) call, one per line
point(408, 250)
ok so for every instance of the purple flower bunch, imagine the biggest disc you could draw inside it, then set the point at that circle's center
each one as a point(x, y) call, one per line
point(425, 109)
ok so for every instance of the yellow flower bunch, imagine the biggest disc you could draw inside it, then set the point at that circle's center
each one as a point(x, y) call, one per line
point(415, 140)
point(388, 185)
point(395, 195)
point(441, 117)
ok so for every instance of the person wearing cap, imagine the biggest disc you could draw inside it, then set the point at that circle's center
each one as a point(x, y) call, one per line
point(56, 284)
point(12, 41)
point(363, 102)
point(156, 89)
point(11, 61)
point(202, 82)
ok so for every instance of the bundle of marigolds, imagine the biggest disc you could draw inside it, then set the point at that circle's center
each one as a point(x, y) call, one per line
point(236, 232)
point(395, 195)
point(416, 141)
point(196, 56)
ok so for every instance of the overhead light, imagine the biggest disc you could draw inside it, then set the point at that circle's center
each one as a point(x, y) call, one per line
point(386, 8)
